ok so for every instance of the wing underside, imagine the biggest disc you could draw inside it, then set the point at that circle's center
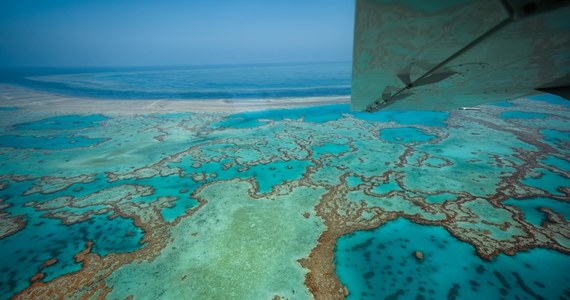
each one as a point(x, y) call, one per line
point(441, 55)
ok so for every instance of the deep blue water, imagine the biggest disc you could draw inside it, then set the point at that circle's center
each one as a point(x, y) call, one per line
point(198, 82)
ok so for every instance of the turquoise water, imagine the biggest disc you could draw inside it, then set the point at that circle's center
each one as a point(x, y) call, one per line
point(330, 149)
point(272, 174)
point(426, 118)
point(239, 122)
point(46, 238)
point(381, 264)
point(226, 202)
point(39, 134)
point(405, 135)
point(372, 264)
point(172, 115)
point(68, 122)
point(547, 180)
point(551, 99)
point(556, 137)
point(521, 115)
point(353, 181)
point(532, 214)
point(8, 108)
point(440, 198)
point(50, 142)
point(320, 114)
point(502, 104)
point(559, 163)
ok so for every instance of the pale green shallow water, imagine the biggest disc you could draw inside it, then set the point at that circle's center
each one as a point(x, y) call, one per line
point(76, 178)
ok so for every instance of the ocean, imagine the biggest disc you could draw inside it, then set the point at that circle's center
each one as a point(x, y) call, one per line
point(272, 81)
point(301, 203)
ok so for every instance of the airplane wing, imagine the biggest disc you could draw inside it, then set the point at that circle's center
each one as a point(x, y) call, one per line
point(442, 54)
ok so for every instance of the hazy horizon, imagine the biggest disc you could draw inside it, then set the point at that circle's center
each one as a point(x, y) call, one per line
point(181, 66)
point(173, 33)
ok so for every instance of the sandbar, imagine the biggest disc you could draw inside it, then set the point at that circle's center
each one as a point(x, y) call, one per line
point(31, 100)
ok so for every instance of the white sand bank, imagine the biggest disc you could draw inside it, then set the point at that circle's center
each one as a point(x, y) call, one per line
point(27, 99)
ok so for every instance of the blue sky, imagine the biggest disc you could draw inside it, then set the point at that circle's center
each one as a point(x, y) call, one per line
point(173, 32)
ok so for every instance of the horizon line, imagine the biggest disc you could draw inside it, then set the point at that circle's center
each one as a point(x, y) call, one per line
point(178, 66)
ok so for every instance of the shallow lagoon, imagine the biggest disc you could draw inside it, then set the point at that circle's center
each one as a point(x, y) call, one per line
point(405, 135)
point(381, 263)
point(161, 194)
